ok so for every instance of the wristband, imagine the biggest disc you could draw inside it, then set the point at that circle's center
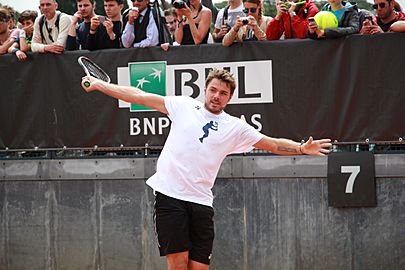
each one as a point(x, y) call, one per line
point(302, 152)
point(15, 50)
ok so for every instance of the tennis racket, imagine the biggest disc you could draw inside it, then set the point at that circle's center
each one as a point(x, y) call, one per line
point(91, 69)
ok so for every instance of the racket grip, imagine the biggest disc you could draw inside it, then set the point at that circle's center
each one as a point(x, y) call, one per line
point(87, 84)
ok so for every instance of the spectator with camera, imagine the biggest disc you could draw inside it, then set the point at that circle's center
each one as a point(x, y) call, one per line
point(251, 27)
point(78, 34)
point(23, 36)
point(291, 20)
point(141, 29)
point(385, 18)
point(226, 19)
point(194, 21)
point(348, 21)
point(51, 29)
point(105, 32)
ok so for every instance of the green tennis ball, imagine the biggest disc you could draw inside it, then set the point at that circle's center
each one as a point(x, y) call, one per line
point(326, 19)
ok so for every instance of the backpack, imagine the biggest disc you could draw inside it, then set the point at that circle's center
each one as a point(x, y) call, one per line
point(41, 25)
point(225, 16)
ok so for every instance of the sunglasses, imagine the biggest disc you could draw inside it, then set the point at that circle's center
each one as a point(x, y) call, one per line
point(381, 5)
point(252, 10)
point(140, 1)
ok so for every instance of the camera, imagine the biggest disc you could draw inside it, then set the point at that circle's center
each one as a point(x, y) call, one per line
point(245, 20)
point(179, 4)
point(101, 19)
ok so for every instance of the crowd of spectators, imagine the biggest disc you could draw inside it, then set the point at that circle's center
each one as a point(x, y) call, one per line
point(188, 22)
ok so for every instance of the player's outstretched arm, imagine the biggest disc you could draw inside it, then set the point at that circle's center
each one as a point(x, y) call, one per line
point(289, 147)
point(129, 94)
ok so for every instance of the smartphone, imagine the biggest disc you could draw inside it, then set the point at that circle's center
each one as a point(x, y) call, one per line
point(370, 18)
point(101, 19)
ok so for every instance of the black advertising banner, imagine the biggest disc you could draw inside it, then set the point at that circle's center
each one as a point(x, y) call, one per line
point(341, 89)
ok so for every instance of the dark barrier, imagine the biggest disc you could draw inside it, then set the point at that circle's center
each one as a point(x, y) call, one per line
point(347, 89)
point(270, 213)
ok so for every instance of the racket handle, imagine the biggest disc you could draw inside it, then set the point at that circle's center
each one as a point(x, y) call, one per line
point(87, 84)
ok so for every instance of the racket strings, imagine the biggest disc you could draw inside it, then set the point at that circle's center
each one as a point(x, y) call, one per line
point(96, 71)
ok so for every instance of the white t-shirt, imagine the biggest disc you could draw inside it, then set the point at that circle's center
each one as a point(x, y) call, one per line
point(232, 14)
point(197, 144)
point(59, 37)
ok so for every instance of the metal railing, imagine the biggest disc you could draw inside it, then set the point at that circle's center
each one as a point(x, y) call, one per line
point(378, 147)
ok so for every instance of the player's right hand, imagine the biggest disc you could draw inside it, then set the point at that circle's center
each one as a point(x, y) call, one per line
point(89, 83)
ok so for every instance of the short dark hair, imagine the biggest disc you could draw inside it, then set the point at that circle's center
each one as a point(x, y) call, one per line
point(224, 76)
point(4, 15)
point(27, 15)
point(119, 2)
point(91, 1)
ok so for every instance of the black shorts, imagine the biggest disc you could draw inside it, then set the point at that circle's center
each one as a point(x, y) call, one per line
point(184, 226)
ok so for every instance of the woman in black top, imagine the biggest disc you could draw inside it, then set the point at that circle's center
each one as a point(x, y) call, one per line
point(194, 24)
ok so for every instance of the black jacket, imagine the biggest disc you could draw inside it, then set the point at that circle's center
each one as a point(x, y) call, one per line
point(348, 25)
point(101, 40)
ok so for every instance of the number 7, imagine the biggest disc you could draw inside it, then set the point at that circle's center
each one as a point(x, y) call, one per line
point(354, 171)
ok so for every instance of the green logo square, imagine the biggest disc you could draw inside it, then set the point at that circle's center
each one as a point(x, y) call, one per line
point(149, 77)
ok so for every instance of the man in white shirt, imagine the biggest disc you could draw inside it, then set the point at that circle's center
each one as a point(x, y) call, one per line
point(140, 30)
point(226, 19)
point(51, 29)
point(201, 136)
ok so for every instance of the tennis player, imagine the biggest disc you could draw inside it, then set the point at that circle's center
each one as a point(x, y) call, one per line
point(201, 136)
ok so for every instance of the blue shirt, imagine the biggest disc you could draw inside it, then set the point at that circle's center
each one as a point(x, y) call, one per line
point(339, 13)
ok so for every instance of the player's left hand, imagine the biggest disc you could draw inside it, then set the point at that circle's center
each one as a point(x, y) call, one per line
point(316, 147)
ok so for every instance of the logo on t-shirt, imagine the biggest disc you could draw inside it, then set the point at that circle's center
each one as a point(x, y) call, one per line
point(206, 128)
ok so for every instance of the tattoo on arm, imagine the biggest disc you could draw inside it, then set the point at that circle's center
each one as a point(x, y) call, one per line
point(287, 149)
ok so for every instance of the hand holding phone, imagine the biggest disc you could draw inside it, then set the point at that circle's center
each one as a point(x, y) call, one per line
point(370, 19)
point(312, 27)
point(101, 19)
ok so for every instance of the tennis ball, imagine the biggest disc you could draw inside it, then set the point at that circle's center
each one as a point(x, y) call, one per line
point(326, 19)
